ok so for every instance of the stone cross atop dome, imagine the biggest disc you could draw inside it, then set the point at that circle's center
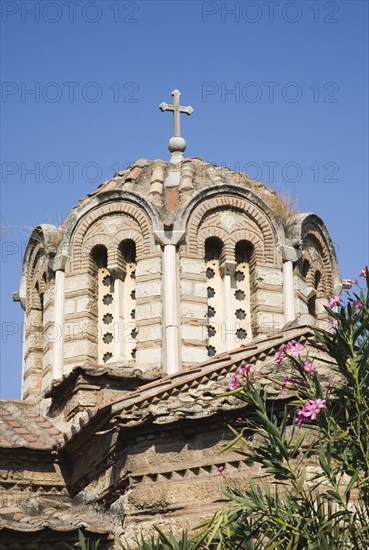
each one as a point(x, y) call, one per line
point(176, 145)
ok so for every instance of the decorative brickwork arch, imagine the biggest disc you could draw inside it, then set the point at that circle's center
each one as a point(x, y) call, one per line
point(36, 277)
point(319, 255)
point(90, 243)
point(134, 235)
point(111, 242)
point(43, 242)
point(312, 263)
point(255, 241)
point(34, 345)
point(316, 253)
point(140, 231)
point(259, 221)
point(210, 232)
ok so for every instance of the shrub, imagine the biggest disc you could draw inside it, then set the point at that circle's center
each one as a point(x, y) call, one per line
point(313, 449)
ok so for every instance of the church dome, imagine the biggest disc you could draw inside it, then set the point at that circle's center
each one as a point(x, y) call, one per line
point(166, 264)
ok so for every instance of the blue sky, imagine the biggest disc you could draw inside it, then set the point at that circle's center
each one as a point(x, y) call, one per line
point(279, 89)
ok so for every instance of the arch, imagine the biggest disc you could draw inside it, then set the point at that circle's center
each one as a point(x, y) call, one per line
point(318, 250)
point(318, 260)
point(260, 222)
point(90, 231)
point(117, 200)
point(253, 241)
point(305, 267)
point(90, 249)
point(312, 263)
point(35, 281)
point(115, 301)
point(99, 256)
point(213, 248)
point(243, 251)
point(36, 274)
point(318, 281)
point(43, 242)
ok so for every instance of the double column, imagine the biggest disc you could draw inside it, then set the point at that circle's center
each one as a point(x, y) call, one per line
point(169, 239)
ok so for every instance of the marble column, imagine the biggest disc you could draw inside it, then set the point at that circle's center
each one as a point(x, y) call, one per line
point(290, 255)
point(169, 240)
point(57, 264)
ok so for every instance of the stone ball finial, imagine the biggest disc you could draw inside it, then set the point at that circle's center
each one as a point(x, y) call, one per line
point(177, 144)
point(177, 147)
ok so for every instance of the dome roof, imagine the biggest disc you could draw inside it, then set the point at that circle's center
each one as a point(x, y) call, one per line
point(154, 180)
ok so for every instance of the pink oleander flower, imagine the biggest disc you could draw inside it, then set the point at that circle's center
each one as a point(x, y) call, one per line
point(334, 301)
point(281, 354)
point(287, 383)
point(363, 272)
point(244, 369)
point(309, 411)
point(332, 325)
point(221, 470)
point(246, 373)
point(309, 367)
point(358, 304)
point(233, 385)
point(239, 420)
point(295, 347)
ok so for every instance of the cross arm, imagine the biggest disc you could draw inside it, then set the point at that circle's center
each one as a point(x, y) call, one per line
point(166, 107)
point(169, 107)
point(186, 110)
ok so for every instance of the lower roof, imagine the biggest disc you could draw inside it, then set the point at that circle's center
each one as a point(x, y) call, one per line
point(24, 425)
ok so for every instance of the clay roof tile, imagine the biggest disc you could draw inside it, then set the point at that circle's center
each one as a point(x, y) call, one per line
point(23, 426)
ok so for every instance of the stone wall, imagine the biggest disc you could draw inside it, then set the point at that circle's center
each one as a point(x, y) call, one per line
point(149, 312)
point(193, 309)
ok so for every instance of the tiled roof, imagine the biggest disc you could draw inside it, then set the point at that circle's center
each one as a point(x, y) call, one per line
point(199, 390)
point(112, 374)
point(149, 178)
point(23, 425)
point(70, 518)
point(205, 383)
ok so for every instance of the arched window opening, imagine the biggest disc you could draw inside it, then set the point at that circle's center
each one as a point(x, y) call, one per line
point(215, 329)
point(315, 286)
point(317, 281)
point(305, 269)
point(38, 316)
point(312, 304)
point(315, 293)
point(241, 293)
point(99, 255)
point(125, 293)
